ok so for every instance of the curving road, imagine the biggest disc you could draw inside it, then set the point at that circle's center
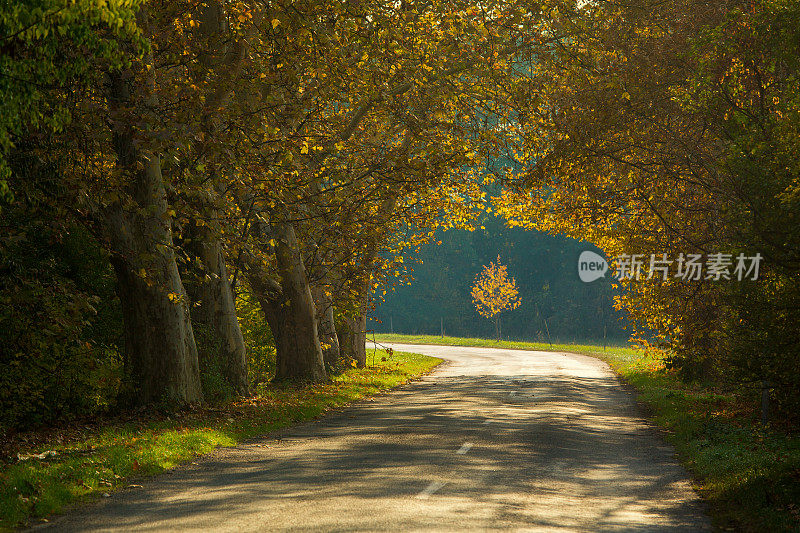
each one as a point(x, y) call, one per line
point(492, 440)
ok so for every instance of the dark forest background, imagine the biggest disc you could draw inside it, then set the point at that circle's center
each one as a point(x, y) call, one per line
point(545, 269)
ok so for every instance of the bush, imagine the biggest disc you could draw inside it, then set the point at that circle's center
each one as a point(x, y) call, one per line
point(257, 337)
point(59, 322)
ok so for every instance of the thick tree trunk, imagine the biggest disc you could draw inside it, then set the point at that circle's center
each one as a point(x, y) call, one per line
point(290, 312)
point(296, 359)
point(326, 328)
point(301, 358)
point(353, 339)
point(221, 344)
point(353, 334)
point(159, 341)
point(219, 337)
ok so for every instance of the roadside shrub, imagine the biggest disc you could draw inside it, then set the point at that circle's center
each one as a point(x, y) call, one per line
point(257, 337)
point(59, 322)
point(216, 388)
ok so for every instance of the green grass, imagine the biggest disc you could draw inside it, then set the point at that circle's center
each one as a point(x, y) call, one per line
point(588, 349)
point(749, 474)
point(91, 462)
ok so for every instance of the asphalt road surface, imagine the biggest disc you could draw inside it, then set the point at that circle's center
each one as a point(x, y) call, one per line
point(492, 440)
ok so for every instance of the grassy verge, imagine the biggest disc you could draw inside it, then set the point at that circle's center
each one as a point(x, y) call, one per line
point(83, 463)
point(587, 349)
point(749, 474)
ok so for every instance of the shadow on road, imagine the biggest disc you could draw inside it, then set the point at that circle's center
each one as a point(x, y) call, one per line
point(559, 452)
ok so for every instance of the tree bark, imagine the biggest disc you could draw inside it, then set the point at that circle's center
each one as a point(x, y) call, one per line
point(326, 328)
point(290, 312)
point(159, 340)
point(219, 336)
point(221, 344)
point(301, 358)
point(353, 339)
point(353, 334)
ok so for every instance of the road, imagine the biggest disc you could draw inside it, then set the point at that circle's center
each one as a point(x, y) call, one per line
point(492, 440)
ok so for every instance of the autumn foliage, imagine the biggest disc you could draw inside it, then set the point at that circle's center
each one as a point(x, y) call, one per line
point(293, 154)
point(299, 153)
point(494, 292)
point(672, 127)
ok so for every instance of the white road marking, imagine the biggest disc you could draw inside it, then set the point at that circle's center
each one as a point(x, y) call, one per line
point(430, 489)
point(464, 448)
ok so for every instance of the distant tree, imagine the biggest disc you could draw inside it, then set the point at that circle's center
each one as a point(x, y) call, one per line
point(494, 292)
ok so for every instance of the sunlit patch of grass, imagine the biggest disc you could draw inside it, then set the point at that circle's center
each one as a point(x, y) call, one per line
point(749, 474)
point(117, 455)
point(588, 349)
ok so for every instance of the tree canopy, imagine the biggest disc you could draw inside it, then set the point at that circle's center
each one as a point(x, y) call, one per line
point(299, 155)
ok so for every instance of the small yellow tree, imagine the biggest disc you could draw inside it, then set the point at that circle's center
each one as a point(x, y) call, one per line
point(494, 292)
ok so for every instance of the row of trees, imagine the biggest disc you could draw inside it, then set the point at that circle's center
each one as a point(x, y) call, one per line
point(671, 127)
point(293, 150)
point(177, 154)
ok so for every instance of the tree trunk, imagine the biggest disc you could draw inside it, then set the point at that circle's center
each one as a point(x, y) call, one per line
point(290, 312)
point(159, 340)
point(353, 339)
point(219, 337)
point(221, 344)
point(301, 358)
point(326, 328)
